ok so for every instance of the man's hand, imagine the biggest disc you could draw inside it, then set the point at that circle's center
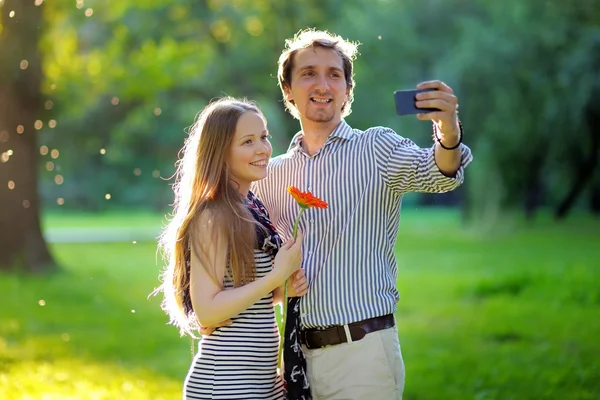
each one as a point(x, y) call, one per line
point(446, 120)
point(207, 330)
point(298, 284)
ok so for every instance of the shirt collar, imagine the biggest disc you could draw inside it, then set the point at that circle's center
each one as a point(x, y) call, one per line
point(342, 131)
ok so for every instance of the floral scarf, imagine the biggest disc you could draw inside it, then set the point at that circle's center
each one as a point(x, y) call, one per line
point(294, 377)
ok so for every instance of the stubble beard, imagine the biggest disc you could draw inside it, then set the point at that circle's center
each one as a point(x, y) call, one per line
point(322, 116)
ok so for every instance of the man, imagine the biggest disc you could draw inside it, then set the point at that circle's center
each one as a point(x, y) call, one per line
point(348, 333)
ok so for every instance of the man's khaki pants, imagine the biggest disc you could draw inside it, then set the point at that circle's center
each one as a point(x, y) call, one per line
point(367, 369)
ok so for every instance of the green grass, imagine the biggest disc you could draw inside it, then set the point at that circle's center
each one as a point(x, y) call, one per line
point(515, 315)
point(97, 336)
point(112, 219)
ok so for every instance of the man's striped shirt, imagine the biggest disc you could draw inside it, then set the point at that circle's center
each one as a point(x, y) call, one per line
point(348, 250)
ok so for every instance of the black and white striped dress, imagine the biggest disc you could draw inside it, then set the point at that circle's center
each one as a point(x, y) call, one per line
point(240, 361)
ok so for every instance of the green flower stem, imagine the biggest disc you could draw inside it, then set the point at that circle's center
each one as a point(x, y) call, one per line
point(285, 300)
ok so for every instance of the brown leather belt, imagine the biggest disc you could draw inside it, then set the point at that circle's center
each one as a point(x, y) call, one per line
point(315, 338)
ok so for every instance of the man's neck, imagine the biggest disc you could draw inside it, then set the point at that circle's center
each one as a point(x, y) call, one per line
point(316, 134)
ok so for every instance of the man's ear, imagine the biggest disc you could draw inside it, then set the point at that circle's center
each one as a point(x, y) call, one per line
point(288, 93)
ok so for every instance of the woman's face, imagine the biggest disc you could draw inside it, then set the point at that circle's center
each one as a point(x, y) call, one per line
point(250, 151)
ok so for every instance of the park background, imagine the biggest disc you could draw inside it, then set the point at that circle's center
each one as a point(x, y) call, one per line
point(499, 280)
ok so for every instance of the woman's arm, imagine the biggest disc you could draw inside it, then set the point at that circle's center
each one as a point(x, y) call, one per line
point(212, 304)
point(297, 286)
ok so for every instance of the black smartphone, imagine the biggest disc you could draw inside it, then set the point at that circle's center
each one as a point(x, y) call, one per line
point(405, 102)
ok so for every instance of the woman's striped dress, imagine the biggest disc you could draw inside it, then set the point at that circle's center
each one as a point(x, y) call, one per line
point(240, 361)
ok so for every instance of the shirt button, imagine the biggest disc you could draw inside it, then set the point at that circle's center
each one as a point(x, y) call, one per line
point(312, 221)
point(309, 188)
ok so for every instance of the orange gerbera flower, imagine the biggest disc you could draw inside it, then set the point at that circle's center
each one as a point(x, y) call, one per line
point(306, 199)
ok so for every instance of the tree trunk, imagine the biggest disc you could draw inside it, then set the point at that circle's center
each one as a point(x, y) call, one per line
point(595, 194)
point(534, 189)
point(587, 167)
point(22, 245)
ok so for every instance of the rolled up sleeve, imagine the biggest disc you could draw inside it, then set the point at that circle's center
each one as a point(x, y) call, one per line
point(406, 167)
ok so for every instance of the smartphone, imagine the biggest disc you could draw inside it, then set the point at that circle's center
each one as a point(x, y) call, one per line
point(405, 102)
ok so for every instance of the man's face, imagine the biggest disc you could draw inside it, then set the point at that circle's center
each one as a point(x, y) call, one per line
point(318, 85)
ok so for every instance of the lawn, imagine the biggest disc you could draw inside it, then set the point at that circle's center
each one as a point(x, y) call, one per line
point(507, 316)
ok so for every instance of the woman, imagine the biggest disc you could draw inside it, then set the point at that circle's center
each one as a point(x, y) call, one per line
point(224, 257)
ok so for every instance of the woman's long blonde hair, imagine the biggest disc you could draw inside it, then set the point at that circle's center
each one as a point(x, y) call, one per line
point(202, 184)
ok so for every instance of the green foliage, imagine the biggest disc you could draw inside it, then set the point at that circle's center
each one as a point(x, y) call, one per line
point(130, 77)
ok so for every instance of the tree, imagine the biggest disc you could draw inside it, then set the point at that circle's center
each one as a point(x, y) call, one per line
point(22, 245)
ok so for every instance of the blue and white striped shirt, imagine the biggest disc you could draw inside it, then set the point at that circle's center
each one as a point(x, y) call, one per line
point(348, 251)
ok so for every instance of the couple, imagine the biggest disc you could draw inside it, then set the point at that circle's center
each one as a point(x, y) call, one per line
point(226, 260)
